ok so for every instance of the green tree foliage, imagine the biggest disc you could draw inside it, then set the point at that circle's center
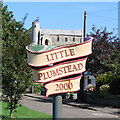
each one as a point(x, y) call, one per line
point(16, 74)
point(112, 78)
point(104, 51)
point(104, 62)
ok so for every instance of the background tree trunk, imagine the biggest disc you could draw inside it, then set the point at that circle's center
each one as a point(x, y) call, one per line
point(11, 110)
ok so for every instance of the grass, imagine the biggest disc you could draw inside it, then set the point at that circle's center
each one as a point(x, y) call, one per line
point(22, 112)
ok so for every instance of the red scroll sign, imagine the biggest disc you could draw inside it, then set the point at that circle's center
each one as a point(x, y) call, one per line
point(38, 59)
point(63, 86)
point(60, 70)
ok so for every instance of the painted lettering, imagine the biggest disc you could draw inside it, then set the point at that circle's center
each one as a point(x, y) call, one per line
point(64, 69)
point(66, 53)
point(60, 71)
point(55, 72)
point(64, 86)
point(80, 66)
point(52, 56)
point(60, 54)
point(40, 75)
point(48, 59)
point(56, 55)
point(69, 68)
point(75, 68)
point(49, 75)
point(72, 52)
point(70, 85)
point(45, 76)
point(61, 86)
point(57, 87)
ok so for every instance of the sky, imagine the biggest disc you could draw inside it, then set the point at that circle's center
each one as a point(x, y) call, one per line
point(67, 15)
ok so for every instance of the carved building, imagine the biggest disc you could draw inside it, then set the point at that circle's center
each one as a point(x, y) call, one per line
point(55, 37)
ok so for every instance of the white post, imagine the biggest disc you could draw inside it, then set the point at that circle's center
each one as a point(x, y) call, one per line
point(93, 80)
point(85, 82)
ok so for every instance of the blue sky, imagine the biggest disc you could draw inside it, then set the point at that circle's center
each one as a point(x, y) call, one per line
point(67, 15)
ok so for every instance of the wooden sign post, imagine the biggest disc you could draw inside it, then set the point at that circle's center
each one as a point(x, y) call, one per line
point(58, 68)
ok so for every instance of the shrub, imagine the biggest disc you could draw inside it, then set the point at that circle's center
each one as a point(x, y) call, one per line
point(113, 79)
point(37, 87)
point(115, 85)
point(102, 79)
point(105, 91)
